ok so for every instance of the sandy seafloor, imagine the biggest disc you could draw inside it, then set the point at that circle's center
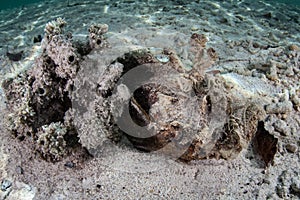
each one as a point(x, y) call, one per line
point(244, 33)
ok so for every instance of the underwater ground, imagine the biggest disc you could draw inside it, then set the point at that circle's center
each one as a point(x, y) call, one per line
point(257, 44)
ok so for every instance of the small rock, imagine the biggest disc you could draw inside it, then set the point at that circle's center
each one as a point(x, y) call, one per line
point(284, 116)
point(267, 15)
point(295, 99)
point(292, 148)
point(295, 186)
point(267, 181)
point(5, 184)
point(69, 164)
point(19, 170)
point(37, 39)
point(272, 75)
point(194, 28)
point(240, 17)
point(281, 191)
point(281, 127)
point(289, 72)
point(271, 196)
point(162, 58)
point(294, 47)
point(288, 184)
point(280, 107)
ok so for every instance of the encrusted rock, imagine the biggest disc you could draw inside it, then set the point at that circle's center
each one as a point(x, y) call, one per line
point(272, 75)
point(292, 148)
point(55, 27)
point(293, 47)
point(279, 108)
point(39, 99)
point(281, 127)
point(96, 37)
point(51, 143)
point(288, 186)
point(5, 184)
point(295, 187)
point(295, 98)
point(59, 48)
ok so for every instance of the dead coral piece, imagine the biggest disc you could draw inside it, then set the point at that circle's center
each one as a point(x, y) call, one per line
point(203, 58)
point(281, 127)
point(63, 54)
point(198, 39)
point(279, 108)
point(272, 74)
point(54, 27)
point(288, 186)
point(5, 185)
point(295, 98)
point(21, 116)
point(59, 48)
point(292, 148)
point(51, 143)
point(96, 37)
point(293, 47)
point(238, 131)
point(49, 98)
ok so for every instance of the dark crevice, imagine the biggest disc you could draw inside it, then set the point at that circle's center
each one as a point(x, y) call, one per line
point(265, 144)
point(140, 104)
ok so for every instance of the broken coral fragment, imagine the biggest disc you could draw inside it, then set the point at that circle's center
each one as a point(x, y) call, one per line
point(96, 35)
point(51, 143)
